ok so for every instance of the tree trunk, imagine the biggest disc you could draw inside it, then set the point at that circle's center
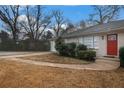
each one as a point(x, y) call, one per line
point(14, 36)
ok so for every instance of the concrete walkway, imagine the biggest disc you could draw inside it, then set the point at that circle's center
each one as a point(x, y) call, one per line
point(21, 54)
point(98, 65)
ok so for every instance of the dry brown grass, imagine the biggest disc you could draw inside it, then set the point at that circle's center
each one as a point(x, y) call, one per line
point(54, 58)
point(15, 74)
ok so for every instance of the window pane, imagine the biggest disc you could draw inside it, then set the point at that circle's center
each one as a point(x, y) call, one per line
point(96, 44)
point(88, 41)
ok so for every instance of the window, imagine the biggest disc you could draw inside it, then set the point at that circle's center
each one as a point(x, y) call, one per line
point(81, 40)
point(112, 37)
point(88, 41)
point(96, 40)
point(91, 41)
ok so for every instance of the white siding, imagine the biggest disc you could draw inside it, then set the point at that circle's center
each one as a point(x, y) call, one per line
point(103, 44)
point(70, 40)
point(89, 41)
point(120, 40)
point(81, 41)
point(52, 47)
point(102, 51)
point(96, 42)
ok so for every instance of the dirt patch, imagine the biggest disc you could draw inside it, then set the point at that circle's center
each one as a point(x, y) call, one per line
point(54, 58)
point(15, 74)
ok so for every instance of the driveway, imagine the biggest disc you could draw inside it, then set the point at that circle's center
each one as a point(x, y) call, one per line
point(3, 53)
point(19, 54)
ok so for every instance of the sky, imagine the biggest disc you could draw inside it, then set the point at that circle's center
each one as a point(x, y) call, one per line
point(73, 13)
point(77, 13)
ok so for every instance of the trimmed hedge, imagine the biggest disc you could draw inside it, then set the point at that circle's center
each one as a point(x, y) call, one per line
point(62, 49)
point(71, 49)
point(58, 43)
point(87, 55)
point(121, 56)
point(75, 51)
point(66, 49)
point(60, 46)
point(81, 47)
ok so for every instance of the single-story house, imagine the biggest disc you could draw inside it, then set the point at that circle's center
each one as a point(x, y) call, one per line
point(106, 38)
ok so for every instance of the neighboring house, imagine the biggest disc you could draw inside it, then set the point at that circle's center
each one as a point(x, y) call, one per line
point(106, 38)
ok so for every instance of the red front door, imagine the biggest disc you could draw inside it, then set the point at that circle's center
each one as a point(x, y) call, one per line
point(112, 44)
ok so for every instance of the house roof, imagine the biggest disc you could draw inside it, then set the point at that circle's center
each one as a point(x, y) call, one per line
point(102, 28)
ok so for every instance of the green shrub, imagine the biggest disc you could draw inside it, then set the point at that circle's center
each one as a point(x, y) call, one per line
point(82, 54)
point(71, 49)
point(81, 47)
point(86, 55)
point(121, 56)
point(66, 49)
point(62, 49)
point(59, 41)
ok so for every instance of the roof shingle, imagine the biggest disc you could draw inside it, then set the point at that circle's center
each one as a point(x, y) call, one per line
point(107, 27)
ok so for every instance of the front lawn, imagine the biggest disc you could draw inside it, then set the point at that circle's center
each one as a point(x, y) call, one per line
point(55, 58)
point(17, 74)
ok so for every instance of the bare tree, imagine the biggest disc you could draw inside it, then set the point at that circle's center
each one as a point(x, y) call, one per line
point(82, 24)
point(35, 23)
point(9, 16)
point(47, 35)
point(104, 14)
point(70, 27)
point(58, 22)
